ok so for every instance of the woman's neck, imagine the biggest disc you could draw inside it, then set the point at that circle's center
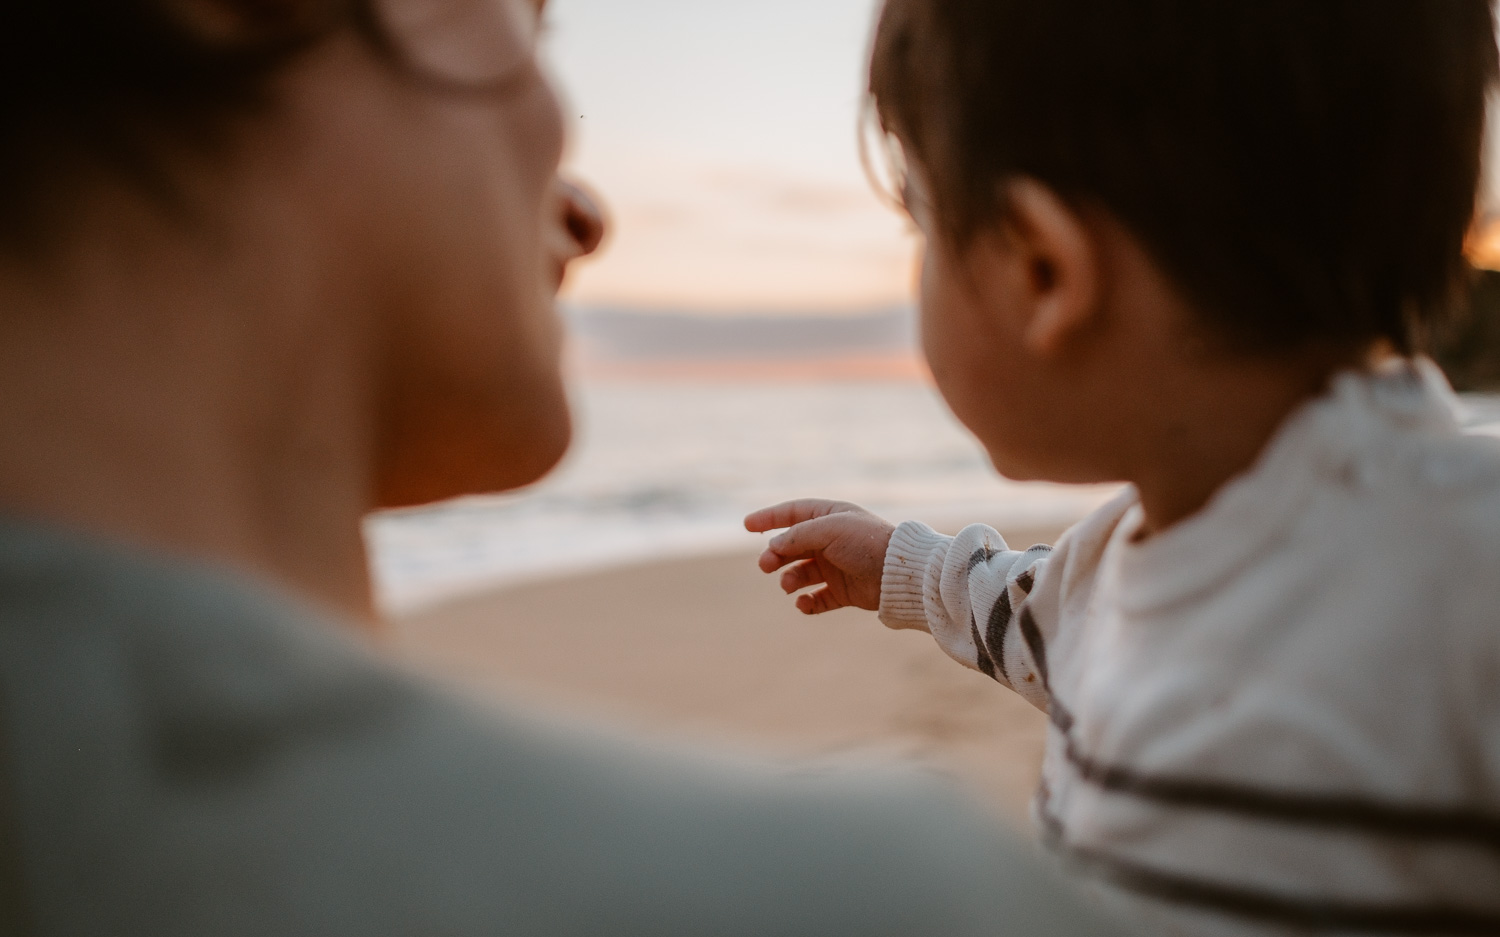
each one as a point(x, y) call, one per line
point(151, 393)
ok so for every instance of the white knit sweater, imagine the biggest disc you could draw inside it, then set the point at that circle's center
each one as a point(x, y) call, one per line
point(1281, 716)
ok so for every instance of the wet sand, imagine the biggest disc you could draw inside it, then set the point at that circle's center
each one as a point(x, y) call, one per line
point(707, 649)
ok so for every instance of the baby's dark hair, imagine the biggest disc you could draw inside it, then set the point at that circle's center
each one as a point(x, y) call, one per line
point(1304, 170)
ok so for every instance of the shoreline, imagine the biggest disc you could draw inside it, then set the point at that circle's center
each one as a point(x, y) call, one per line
point(706, 649)
point(406, 600)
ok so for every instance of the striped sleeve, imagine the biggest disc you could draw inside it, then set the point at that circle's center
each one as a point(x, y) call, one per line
point(971, 592)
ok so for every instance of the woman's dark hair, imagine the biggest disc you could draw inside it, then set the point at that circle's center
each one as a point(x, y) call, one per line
point(1304, 171)
point(98, 83)
point(102, 84)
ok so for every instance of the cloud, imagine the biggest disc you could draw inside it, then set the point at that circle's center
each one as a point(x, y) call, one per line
point(799, 194)
point(711, 234)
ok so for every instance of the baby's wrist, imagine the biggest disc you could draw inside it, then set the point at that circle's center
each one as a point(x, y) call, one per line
point(912, 548)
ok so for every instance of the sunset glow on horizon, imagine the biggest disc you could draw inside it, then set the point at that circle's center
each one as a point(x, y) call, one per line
point(722, 139)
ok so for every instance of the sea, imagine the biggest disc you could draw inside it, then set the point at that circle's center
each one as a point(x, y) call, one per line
point(668, 469)
point(684, 425)
point(663, 469)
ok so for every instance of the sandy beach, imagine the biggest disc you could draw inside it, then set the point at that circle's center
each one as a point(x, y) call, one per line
point(707, 649)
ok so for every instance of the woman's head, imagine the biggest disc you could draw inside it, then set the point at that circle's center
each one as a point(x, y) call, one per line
point(407, 150)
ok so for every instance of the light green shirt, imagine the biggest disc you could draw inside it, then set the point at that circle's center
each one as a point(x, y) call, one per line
point(186, 753)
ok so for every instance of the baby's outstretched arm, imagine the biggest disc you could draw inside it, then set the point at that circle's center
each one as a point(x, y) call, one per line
point(835, 544)
point(991, 608)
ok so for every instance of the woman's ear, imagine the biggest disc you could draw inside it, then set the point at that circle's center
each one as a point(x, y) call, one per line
point(1061, 266)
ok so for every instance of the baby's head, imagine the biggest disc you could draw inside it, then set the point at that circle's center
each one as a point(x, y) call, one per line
point(1133, 204)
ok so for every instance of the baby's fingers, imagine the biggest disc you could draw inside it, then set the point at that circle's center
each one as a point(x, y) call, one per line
point(805, 539)
point(804, 574)
point(791, 513)
point(816, 603)
point(770, 561)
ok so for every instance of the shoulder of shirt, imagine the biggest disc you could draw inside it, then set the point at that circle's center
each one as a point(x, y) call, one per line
point(257, 755)
point(1435, 491)
point(1417, 516)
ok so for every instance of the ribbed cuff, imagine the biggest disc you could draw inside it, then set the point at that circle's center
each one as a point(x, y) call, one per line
point(913, 548)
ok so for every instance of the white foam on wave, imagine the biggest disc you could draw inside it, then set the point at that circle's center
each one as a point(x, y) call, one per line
point(670, 469)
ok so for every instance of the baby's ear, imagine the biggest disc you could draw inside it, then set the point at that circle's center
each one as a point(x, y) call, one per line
point(1055, 244)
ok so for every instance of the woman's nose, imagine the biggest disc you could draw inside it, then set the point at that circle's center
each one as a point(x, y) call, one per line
point(581, 217)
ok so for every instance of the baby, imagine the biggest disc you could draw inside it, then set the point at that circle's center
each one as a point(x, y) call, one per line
point(1196, 247)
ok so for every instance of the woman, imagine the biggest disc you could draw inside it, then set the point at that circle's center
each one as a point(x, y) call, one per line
point(265, 266)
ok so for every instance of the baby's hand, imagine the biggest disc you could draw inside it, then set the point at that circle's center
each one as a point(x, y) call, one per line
point(834, 543)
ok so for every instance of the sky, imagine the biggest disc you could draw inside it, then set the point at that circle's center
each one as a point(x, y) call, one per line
point(722, 137)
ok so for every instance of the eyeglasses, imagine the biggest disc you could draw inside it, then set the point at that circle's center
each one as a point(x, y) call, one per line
point(467, 46)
